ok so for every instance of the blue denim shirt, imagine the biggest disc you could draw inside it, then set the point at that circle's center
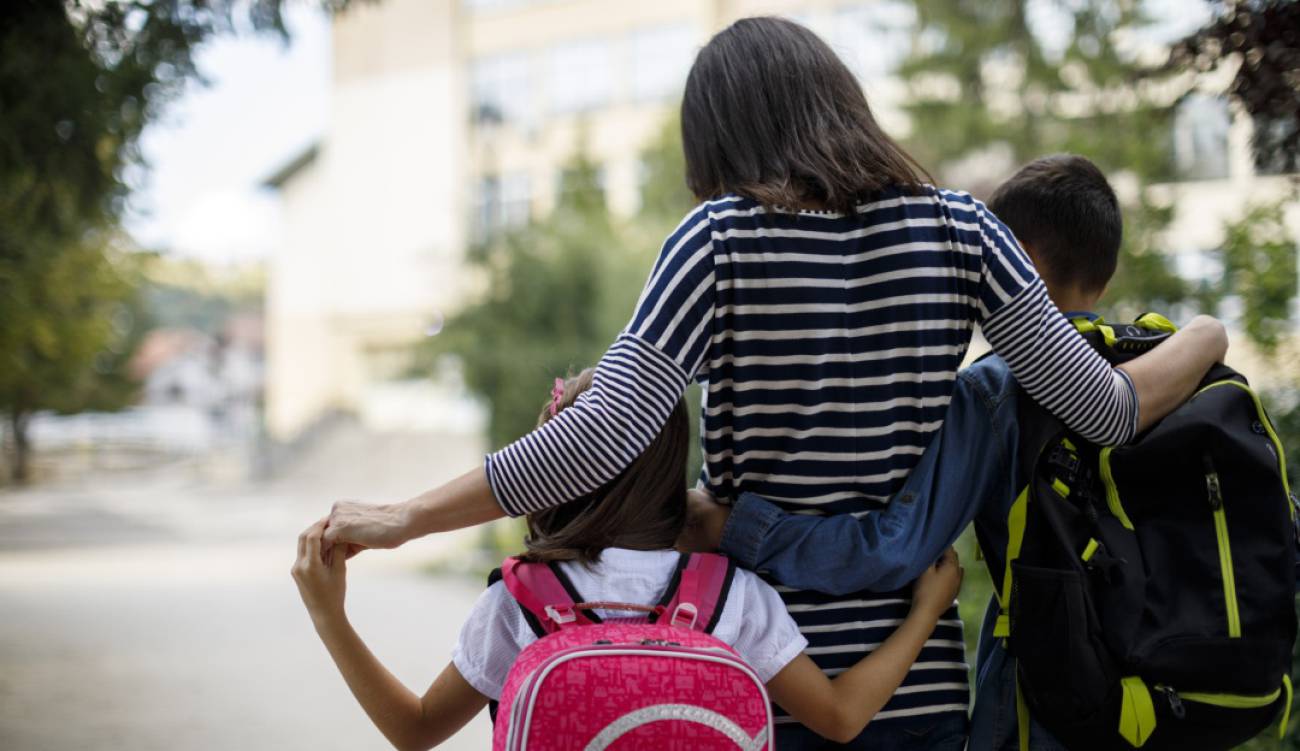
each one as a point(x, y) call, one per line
point(968, 472)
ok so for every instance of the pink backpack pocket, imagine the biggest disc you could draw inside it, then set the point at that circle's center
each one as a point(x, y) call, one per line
point(660, 681)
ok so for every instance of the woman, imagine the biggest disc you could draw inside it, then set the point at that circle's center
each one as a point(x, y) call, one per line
point(824, 294)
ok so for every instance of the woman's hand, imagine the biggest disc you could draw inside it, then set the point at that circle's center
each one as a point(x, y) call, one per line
point(365, 525)
point(321, 577)
point(705, 520)
point(936, 589)
point(1168, 375)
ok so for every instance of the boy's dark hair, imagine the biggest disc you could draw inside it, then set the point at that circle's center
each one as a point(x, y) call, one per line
point(1064, 208)
point(771, 113)
point(643, 508)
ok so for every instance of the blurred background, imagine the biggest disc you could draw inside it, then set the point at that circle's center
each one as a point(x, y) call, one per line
point(260, 255)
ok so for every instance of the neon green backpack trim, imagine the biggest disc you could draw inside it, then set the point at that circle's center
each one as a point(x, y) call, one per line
point(1137, 714)
point(1268, 428)
point(1112, 490)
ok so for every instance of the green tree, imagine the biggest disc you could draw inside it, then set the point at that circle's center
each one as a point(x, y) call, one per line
point(983, 79)
point(559, 290)
point(556, 292)
point(75, 320)
point(545, 310)
point(79, 81)
point(1259, 267)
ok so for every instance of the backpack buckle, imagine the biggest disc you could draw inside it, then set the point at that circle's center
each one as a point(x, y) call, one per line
point(685, 615)
point(562, 614)
point(1065, 460)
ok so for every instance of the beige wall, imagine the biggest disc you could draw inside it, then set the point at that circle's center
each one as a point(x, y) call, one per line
point(373, 226)
point(393, 36)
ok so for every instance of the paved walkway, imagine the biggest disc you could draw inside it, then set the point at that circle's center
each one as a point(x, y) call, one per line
point(160, 615)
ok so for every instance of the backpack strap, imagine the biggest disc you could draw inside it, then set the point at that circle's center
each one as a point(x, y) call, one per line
point(702, 585)
point(543, 592)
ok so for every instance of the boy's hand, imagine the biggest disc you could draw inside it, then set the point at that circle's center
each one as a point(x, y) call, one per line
point(705, 520)
point(322, 580)
point(936, 589)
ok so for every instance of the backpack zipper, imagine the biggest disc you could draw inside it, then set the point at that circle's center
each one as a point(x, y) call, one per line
point(1228, 701)
point(1232, 701)
point(1268, 428)
point(1214, 490)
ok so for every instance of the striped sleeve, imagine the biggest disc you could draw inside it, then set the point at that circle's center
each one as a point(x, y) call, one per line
point(636, 385)
point(1058, 368)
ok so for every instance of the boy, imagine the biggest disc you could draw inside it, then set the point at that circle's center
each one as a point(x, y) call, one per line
point(1066, 216)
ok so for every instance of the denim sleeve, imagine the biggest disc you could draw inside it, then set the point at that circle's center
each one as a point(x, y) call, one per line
point(965, 463)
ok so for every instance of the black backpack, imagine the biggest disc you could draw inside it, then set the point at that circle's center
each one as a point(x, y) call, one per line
point(1149, 590)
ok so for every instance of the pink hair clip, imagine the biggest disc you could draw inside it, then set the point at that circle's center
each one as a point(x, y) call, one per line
point(557, 395)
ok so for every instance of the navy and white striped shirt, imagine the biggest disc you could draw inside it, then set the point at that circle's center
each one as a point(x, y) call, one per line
point(827, 345)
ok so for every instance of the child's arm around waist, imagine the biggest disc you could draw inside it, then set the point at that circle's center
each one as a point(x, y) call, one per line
point(966, 465)
point(406, 720)
point(839, 708)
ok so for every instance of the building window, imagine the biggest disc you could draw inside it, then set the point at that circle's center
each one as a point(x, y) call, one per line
point(502, 90)
point(580, 76)
point(516, 200)
point(501, 203)
point(1201, 138)
point(661, 59)
point(1270, 134)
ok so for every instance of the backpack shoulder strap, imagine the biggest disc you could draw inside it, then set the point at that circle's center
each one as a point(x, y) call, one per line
point(702, 584)
point(544, 594)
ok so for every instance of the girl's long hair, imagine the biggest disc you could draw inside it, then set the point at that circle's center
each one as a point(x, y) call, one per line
point(771, 113)
point(642, 508)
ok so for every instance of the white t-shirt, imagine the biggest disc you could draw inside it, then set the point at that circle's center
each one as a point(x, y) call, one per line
point(753, 621)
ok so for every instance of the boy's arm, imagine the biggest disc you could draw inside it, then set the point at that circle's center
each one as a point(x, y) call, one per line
point(967, 462)
point(406, 720)
point(838, 709)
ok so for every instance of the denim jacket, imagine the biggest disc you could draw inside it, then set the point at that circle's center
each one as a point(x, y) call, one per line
point(968, 472)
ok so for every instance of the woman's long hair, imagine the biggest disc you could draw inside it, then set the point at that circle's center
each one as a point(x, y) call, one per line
point(643, 508)
point(771, 113)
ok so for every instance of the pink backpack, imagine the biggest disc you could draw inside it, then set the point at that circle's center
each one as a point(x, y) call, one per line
point(629, 683)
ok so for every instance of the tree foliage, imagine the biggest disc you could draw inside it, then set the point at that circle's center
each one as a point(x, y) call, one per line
point(544, 309)
point(982, 78)
point(1259, 268)
point(558, 291)
point(70, 323)
point(79, 82)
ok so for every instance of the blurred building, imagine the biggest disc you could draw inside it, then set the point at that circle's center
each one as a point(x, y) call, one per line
point(199, 393)
point(372, 216)
point(453, 119)
point(1218, 180)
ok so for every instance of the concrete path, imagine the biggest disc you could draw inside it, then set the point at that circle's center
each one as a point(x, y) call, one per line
point(157, 614)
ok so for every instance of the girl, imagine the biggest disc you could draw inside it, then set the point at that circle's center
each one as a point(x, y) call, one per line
point(615, 544)
point(824, 293)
